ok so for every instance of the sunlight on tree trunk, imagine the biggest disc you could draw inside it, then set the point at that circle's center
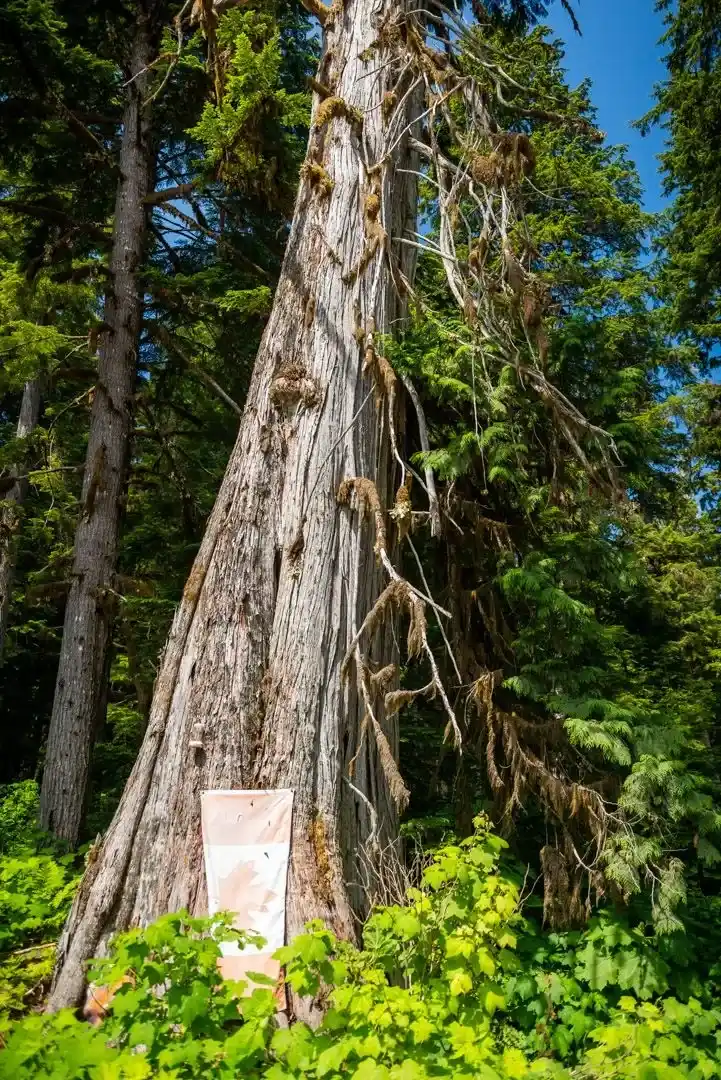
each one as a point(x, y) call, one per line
point(286, 575)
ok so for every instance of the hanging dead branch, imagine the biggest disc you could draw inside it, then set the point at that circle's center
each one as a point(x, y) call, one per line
point(397, 596)
point(367, 502)
point(481, 209)
point(507, 308)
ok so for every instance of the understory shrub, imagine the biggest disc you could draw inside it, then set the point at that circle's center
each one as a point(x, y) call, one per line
point(436, 990)
point(36, 890)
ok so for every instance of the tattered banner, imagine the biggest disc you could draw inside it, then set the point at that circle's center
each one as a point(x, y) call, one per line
point(246, 841)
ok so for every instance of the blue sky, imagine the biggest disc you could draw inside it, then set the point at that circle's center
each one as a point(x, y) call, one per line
point(619, 51)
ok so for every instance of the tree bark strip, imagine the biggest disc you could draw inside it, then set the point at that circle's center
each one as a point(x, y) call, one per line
point(285, 576)
point(82, 672)
point(9, 513)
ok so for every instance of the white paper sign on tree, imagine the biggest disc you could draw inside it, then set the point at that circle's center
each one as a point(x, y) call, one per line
point(246, 841)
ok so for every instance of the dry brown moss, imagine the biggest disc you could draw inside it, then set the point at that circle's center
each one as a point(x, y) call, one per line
point(334, 108)
point(319, 842)
point(293, 385)
point(318, 178)
point(402, 512)
point(366, 495)
point(383, 375)
point(511, 156)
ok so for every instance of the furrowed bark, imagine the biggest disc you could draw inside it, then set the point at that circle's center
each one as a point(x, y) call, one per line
point(13, 500)
point(80, 687)
point(285, 576)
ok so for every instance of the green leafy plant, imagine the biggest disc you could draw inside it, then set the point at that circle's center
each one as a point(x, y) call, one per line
point(36, 890)
point(570, 983)
point(452, 983)
point(672, 1041)
point(18, 817)
point(418, 999)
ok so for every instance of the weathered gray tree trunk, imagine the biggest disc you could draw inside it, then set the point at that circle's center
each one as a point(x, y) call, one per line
point(285, 575)
point(82, 672)
point(12, 502)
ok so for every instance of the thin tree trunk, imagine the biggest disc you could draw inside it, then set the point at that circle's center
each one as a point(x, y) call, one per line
point(285, 575)
point(82, 672)
point(15, 497)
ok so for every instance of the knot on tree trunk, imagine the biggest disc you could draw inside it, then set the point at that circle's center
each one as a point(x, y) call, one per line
point(292, 386)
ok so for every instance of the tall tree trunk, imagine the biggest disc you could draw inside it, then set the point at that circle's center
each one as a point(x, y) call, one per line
point(285, 575)
point(13, 500)
point(82, 672)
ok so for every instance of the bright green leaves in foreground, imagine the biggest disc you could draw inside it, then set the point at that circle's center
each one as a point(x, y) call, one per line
point(438, 989)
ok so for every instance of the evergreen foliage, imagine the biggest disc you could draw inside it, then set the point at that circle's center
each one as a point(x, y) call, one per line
point(430, 993)
point(37, 884)
point(687, 105)
point(577, 457)
point(582, 576)
point(210, 266)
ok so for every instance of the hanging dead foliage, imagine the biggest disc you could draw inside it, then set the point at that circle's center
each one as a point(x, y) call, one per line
point(562, 903)
point(402, 512)
point(398, 790)
point(398, 699)
point(396, 597)
point(367, 501)
point(381, 680)
point(375, 235)
point(510, 158)
point(383, 375)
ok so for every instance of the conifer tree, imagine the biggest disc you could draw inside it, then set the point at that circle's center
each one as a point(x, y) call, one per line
point(13, 498)
point(281, 659)
point(148, 114)
point(82, 671)
point(687, 107)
